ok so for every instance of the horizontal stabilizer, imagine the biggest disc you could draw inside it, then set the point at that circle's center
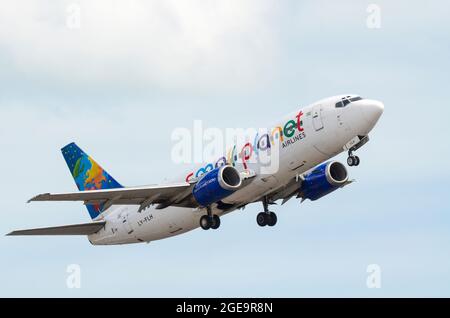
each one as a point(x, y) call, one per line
point(75, 229)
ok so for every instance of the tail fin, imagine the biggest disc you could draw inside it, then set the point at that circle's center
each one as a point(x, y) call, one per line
point(88, 175)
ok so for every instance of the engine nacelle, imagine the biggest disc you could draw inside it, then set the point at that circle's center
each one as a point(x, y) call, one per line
point(323, 180)
point(217, 185)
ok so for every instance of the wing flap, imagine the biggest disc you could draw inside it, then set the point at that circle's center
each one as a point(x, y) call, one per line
point(75, 229)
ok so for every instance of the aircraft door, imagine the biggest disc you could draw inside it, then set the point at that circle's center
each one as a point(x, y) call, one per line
point(317, 117)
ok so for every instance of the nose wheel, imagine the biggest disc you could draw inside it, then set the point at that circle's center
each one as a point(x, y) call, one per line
point(352, 160)
point(210, 221)
point(267, 217)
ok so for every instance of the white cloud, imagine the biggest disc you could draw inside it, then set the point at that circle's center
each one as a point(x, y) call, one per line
point(168, 43)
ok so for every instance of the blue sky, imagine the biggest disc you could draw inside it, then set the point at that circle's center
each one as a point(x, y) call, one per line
point(134, 71)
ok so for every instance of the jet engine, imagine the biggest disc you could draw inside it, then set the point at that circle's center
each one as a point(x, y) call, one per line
point(323, 180)
point(217, 185)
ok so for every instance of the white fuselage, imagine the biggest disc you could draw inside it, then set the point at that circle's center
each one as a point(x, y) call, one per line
point(325, 131)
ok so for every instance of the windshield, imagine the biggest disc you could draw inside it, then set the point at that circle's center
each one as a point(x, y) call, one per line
point(347, 100)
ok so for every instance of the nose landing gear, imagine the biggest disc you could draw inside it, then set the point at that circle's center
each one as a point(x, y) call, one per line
point(267, 217)
point(210, 221)
point(354, 145)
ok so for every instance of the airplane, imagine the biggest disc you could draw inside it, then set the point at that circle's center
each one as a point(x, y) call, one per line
point(303, 143)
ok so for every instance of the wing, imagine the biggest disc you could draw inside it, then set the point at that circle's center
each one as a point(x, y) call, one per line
point(293, 189)
point(164, 195)
point(76, 229)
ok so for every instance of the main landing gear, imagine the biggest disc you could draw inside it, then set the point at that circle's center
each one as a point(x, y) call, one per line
point(209, 221)
point(352, 160)
point(266, 217)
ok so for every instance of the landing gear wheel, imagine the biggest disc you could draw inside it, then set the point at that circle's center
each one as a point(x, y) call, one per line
point(210, 222)
point(205, 222)
point(271, 219)
point(261, 219)
point(264, 219)
point(215, 224)
point(351, 161)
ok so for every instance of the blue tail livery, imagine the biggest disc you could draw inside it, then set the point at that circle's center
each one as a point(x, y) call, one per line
point(88, 175)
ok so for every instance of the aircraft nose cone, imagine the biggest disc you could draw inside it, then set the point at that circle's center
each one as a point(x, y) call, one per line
point(372, 110)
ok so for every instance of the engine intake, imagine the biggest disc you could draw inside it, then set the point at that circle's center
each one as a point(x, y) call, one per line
point(217, 185)
point(323, 180)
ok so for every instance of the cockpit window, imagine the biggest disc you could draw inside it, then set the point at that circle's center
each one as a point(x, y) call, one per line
point(347, 100)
